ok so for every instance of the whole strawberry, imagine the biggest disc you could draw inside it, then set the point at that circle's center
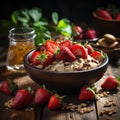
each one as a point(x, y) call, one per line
point(77, 32)
point(22, 98)
point(8, 87)
point(117, 17)
point(42, 96)
point(91, 34)
point(55, 102)
point(86, 94)
point(110, 83)
point(104, 14)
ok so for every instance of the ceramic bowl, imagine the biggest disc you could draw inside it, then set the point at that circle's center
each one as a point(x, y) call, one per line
point(64, 81)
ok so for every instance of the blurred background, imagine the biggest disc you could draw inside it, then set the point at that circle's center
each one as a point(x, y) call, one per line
point(74, 10)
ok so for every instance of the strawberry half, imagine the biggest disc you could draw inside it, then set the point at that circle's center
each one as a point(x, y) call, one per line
point(86, 94)
point(54, 102)
point(79, 51)
point(33, 59)
point(66, 43)
point(89, 48)
point(42, 96)
point(51, 46)
point(110, 83)
point(41, 57)
point(65, 54)
point(8, 87)
point(97, 55)
point(22, 99)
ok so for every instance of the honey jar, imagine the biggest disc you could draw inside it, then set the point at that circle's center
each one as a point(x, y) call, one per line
point(21, 41)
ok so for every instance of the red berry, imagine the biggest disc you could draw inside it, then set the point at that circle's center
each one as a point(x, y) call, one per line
point(90, 34)
point(117, 17)
point(65, 54)
point(54, 102)
point(22, 99)
point(104, 14)
point(86, 94)
point(42, 96)
point(110, 83)
point(79, 51)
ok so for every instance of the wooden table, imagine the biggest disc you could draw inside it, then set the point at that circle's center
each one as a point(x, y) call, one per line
point(42, 112)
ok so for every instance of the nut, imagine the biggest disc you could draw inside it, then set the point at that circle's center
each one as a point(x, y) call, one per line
point(109, 38)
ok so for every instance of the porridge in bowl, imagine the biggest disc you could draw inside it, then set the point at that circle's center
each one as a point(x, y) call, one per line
point(66, 56)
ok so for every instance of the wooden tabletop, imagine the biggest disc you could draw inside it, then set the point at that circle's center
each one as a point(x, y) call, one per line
point(66, 113)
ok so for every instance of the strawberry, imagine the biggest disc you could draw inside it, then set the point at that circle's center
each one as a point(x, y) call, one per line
point(66, 43)
point(22, 99)
point(46, 58)
point(90, 34)
point(117, 17)
point(110, 83)
point(86, 94)
point(8, 87)
point(77, 32)
point(79, 51)
point(42, 96)
point(89, 48)
point(41, 57)
point(65, 54)
point(33, 59)
point(55, 102)
point(51, 46)
point(97, 55)
point(104, 14)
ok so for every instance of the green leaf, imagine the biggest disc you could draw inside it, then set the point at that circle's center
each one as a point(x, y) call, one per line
point(64, 27)
point(55, 18)
point(20, 16)
point(35, 14)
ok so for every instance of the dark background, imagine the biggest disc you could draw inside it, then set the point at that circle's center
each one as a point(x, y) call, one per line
point(74, 10)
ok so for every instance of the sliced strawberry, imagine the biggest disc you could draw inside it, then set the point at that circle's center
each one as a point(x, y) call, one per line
point(86, 94)
point(54, 102)
point(34, 58)
point(79, 51)
point(65, 54)
point(51, 46)
point(22, 99)
point(97, 55)
point(89, 48)
point(41, 57)
point(8, 87)
point(110, 83)
point(104, 14)
point(42, 96)
point(66, 43)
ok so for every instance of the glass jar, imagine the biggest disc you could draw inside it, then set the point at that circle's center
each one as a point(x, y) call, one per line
point(21, 41)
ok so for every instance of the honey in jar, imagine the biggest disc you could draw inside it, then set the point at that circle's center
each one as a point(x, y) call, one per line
point(21, 41)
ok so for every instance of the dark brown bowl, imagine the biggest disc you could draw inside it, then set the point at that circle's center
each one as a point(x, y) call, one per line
point(64, 81)
point(106, 26)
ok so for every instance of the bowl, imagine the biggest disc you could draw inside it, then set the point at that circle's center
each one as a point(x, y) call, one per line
point(64, 81)
point(106, 26)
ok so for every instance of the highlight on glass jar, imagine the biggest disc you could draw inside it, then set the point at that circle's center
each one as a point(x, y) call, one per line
point(21, 41)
